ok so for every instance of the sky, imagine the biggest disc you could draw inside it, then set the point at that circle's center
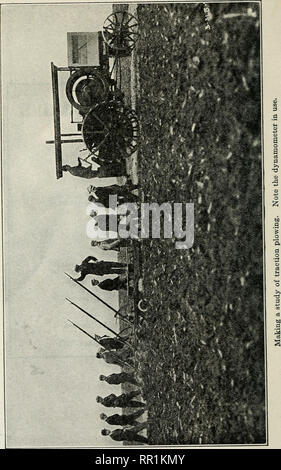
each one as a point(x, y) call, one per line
point(51, 368)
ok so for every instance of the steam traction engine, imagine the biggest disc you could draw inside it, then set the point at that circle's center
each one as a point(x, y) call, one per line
point(105, 124)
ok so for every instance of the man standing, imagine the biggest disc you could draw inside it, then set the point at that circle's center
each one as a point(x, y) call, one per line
point(111, 284)
point(110, 358)
point(112, 164)
point(117, 358)
point(124, 354)
point(125, 400)
point(122, 420)
point(117, 379)
point(102, 222)
point(111, 243)
point(127, 434)
point(110, 343)
point(101, 194)
point(91, 265)
point(81, 171)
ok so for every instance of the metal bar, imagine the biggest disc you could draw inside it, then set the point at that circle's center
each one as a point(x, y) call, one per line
point(98, 298)
point(101, 323)
point(103, 56)
point(90, 336)
point(69, 141)
point(71, 68)
point(71, 114)
point(68, 135)
point(100, 48)
point(86, 333)
point(57, 127)
point(97, 341)
point(113, 66)
point(63, 69)
point(94, 318)
point(71, 107)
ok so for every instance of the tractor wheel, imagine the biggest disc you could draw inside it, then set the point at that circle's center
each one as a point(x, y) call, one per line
point(111, 128)
point(120, 32)
point(85, 89)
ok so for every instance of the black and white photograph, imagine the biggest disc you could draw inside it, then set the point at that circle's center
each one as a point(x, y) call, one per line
point(133, 225)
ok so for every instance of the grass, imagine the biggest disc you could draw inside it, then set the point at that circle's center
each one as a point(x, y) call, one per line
point(201, 345)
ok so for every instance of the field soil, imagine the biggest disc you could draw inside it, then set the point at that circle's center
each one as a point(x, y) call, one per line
point(201, 342)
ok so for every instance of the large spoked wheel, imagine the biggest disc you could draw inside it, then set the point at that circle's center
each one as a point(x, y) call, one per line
point(110, 129)
point(86, 88)
point(120, 32)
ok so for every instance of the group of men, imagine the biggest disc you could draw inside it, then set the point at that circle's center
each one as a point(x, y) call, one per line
point(132, 427)
point(100, 197)
point(117, 350)
point(91, 265)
